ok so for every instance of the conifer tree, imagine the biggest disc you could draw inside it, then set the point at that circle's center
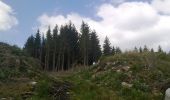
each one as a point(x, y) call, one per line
point(160, 49)
point(55, 46)
point(152, 50)
point(43, 51)
point(135, 49)
point(145, 49)
point(106, 47)
point(140, 50)
point(29, 47)
point(113, 50)
point(70, 45)
point(48, 49)
point(73, 41)
point(37, 44)
point(84, 43)
point(118, 50)
point(95, 50)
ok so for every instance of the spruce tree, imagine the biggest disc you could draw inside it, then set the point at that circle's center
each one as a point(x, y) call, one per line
point(84, 43)
point(73, 41)
point(37, 44)
point(43, 51)
point(113, 50)
point(140, 50)
point(55, 46)
point(48, 49)
point(145, 49)
point(118, 50)
point(160, 49)
point(152, 50)
point(135, 49)
point(69, 45)
point(29, 46)
point(106, 47)
point(95, 50)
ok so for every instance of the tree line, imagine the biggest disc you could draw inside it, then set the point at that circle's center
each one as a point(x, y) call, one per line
point(64, 47)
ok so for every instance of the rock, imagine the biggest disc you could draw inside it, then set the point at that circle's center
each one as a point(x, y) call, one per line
point(108, 63)
point(126, 85)
point(167, 94)
point(118, 71)
point(68, 93)
point(33, 83)
point(17, 62)
point(94, 76)
point(3, 99)
point(129, 74)
point(125, 68)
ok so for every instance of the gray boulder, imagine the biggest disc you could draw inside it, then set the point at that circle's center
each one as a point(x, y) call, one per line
point(167, 94)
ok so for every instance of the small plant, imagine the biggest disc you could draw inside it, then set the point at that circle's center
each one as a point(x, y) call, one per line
point(141, 86)
point(42, 88)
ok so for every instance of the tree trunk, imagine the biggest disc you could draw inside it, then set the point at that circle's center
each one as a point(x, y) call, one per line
point(68, 61)
point(62, 62)
point(54, 59)
point(45, 62)
point(58, 62)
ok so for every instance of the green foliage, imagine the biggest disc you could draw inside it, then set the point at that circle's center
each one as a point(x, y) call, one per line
point(147, 71)
point(7, 73)
point(106, 47)
point(95, 50)
point(29, 46)
point(133, 94)
point(85, 89)
point(138, 85)
point(42, 89)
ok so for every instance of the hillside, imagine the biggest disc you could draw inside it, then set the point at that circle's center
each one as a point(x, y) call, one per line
point(125, 76)
point(128, 76)
point(21, 77)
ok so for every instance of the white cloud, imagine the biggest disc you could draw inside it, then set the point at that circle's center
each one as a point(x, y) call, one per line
point(7, 19)
point(161, 6)
point(129, 16)
point(46, 21)
point(127, 25)
point(115, 2)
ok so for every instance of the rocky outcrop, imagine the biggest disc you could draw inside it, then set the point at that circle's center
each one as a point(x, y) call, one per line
point(167, 94)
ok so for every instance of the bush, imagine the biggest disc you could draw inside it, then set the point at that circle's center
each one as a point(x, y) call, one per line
point(2, 75)
point(141, 86)
point(42, 89)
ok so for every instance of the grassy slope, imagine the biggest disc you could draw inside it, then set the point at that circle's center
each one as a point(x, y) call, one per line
point(17, 71)
point(149, 74)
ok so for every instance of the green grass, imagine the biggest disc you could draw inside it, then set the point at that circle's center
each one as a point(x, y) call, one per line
point(14, 89)
point(85, 89)
point(147, 70)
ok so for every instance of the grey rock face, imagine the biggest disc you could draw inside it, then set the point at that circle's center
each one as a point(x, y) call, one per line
point(167, 94)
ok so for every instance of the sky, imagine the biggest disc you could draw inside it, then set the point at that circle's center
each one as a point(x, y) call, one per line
point(127, 23)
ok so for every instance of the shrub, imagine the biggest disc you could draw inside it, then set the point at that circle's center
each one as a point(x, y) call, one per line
point(141, 86)
point(42, 89)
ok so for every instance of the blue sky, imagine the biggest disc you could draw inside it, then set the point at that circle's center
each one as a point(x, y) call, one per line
point(27, 12)
point(142, 21)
